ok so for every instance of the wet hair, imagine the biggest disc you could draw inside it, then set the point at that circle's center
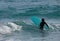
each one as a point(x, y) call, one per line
point(43, 19)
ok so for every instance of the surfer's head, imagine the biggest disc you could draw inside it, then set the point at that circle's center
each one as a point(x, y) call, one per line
point(43, 19)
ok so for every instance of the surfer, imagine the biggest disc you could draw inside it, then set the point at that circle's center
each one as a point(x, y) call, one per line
point(42, 24)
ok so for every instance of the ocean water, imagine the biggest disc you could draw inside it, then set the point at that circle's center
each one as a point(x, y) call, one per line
point(16, 24)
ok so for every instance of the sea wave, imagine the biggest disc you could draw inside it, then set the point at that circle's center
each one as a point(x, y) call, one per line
point(9, 28)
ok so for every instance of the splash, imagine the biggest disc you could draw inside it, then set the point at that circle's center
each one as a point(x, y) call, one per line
point(9, 28)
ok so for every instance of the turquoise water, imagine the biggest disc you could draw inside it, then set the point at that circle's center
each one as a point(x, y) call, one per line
point(16, 24)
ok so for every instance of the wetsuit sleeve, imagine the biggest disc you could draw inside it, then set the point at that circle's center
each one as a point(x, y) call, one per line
point(46, 24)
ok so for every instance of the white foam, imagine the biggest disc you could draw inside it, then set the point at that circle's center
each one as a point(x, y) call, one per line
point(14, 26)
point(50, 26)
point(9, 28)
point(5, 29)
point(28, 22)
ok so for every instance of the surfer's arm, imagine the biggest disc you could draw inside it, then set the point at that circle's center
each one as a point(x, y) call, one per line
point(46, 24)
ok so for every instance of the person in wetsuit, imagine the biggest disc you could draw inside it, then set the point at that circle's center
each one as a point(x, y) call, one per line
point(42, 24)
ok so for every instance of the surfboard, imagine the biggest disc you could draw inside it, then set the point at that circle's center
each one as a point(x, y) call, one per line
point(36, 20)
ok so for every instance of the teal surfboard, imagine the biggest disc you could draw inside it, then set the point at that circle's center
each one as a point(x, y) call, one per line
point(36, 20)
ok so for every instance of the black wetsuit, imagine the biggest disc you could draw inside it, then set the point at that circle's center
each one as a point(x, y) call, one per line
point(42, 25)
